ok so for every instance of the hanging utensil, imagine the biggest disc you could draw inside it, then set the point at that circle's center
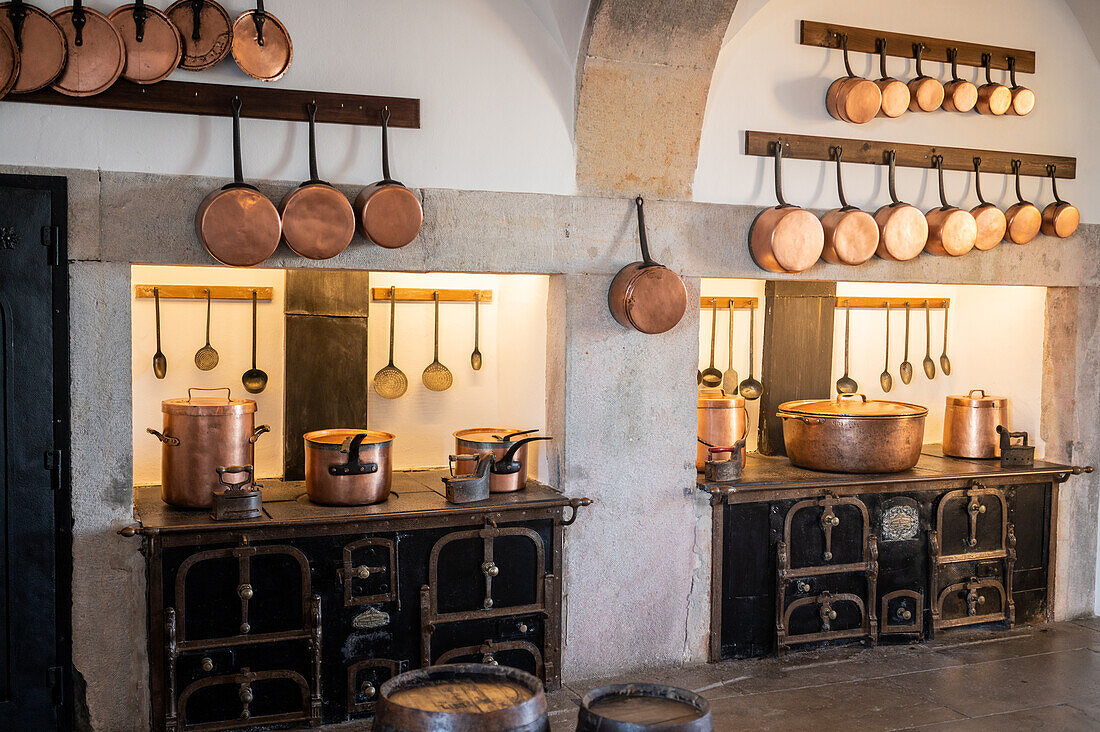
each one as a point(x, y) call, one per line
point(436, 376)
point(475, 357)
point(645, 295)
point(750, 388)
point(206, 32)
point(951, 230)
point(895, 93)
point(902, 229)
point(925, 93)
point(846, 384)
point(387, 213)
point(993, 98)
point(390, 382)
point(1023, 99)
point(206, 358)
point(945, 362)
point(152, 43)
point(254, 380)
point(959, 95)
point(96, 52)
point(261, 44)
point(1060, 218)
point(906, 368)
point(991, 220)
point(40, 45)
point(852, 98)
point(929, 364)
point(729, 377)
point(851, 235)
point(237, 224)
point(318, 222)
point(160, 363)
point(1023, 217)
point(785, 238)
point(885, 380)
point(712, 377)
point(9, 62)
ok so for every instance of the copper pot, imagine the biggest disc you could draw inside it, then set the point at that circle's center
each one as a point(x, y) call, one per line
point(497, 442)
point(852, 98)
point(96, 52)
point(902, 228)
point(722, 421)
point(199, 436)
point(153, 45)
point(348, 467)
point(925, 93)
point(851, 235)
point(895, 93)
point(645, 295)
point(1023, 218)
point(237, 224)
point(785, 238)
point(388, 213)
point(991, 220)
point(853, 435)
point(261, 44)
point(1023, 99)
point(959, 95)
point(970, 425)
point(993, 98)
point(1060, 218)
point(205, 30)
point(951, 230)
point(40, 43)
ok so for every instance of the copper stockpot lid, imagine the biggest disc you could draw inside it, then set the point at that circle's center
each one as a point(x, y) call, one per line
point(152, 41)
point(207, 406)
point(848, 407)
point(334, 439)
point(96, 52)
point(205, 30)
point(9, 62)
point(983, 401)
point(717, 399)
point(41, 44)
point(261, 44)
point(895, 93)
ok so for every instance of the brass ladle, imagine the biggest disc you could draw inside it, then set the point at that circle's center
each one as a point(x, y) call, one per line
point(885, 380)
point(906, 368)
point(846, 384)
point(160, 363)
point(945, 362)
point(475, 357)
point(929, 364)
point(254, 380)
point(712, 376)
point(390, 382)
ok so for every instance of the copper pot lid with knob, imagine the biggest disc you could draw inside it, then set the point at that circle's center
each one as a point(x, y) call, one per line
point(978, 399)
point(205, 30)
point(785, 238)
point(645, 295)
point(951, 230)
point(851, 235)
point(490, 438)
point(1023, 217)
point(153, 45)
point(334, 439)
point(959, 95)
point(852, 98)
point(40, 43)
point(902, 228)
point(850, 407)
point(386, 212)
point(925, 93)
point(9, 62)
point(993, 98)
point(96, 52)
point(1060, 218)
point(991, 220)
point(895, 92)
point(261, 44)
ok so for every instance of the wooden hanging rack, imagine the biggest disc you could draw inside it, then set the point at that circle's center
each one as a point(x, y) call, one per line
point(426, 294)
point(900, 45)
point(873, 152)
point(198, 292)
point(739, 303)
point(895, 303)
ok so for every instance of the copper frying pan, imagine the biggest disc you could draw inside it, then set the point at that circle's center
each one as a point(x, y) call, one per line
point(153, 45)
point(9, 62)
point(1023, 217)
point(902, 229)
point(205, 31)
point(951, 230)
point(990, 219)
point(895, 93)
point(646, 296)
point(388, 213)
point(318, 222)
point(96, 54)
point(852, 98)
point(925, 93)
point(237, 224)
point(1060, 218)
point(785, 238)
point(851, 235)
point(261, 44)
point(1023, 99)
point(959, 95)
point(40, 42)
point(993, 98)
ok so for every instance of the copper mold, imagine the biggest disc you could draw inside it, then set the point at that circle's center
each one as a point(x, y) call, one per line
point(211, 43)
point(42, 47)
point(94, 64)
point(157, 53)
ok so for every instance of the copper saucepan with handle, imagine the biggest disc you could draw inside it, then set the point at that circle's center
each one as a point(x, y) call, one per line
point(993, 98)
point(1060, 218)
point(1023, 99)
point(96, 52)
point(902, 228)
point(785, 238)
point(205, 30)
point(925, 92)
point(959, 95)
point(348, 467)
point(388, 213)
point(1023, 217)
point(153, 44)
point(237, 224)
point(645, 295)
point(951, 230)
point(39, 42)
point(895, 92)
point(851, 235)
point(852, 98)
point(991, 220)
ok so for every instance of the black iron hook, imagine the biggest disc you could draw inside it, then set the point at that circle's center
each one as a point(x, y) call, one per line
point(836, 153)
point(1016, 169)
point(844, 45)
point(918, 49)
point(258, 17)
point(1012, 70)
point(880, 46)
point(987, 59)
point(978, 180)
point(80, 18)
point(953, 57)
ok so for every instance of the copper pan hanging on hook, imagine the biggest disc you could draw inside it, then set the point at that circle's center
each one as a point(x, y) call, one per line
point(902, 228)
point(895, 93)
point(96, 52)
point(785, 238)
point(39, 42)
point(205, 30)
point(993, 98)
point(261, 44)
point(387, 213)
point(852, 98)
point(1023, 216)
point(153, 45)
point(1023, 99)
point(951, 230)
point(645, 295)
point(925, 93)
point(851, 235)
point(991, 220)
point(959, 95)
point(1060, 218)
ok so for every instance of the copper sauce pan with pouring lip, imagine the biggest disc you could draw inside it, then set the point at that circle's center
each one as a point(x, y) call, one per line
point(387, 213)
point(851, 235)
point(902, 228)
point(205, 30)
point(952, 231)
point(40, 44)
point(991, 220)
point(970, 425)
point(96, 52)
point(895, 92)
point(852, 98)
point(153, 45)
point(498, 442)
point(1023, 219)
point(785, 238)
point(347, 467)
point(1060, 218)
point(925, 92)
point(646, 296)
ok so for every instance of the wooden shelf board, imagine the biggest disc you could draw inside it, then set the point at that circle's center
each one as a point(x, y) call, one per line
point(198, 292)
point(425, 294)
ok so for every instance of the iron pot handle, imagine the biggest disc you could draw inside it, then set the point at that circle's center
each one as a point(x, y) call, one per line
point(353, 466)
point(172, 441)
point(257, 432)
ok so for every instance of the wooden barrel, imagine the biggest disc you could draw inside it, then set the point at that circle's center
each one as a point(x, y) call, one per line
point(641, 707)
point(462, 697)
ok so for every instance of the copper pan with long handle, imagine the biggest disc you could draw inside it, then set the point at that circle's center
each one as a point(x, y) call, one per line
point(852, 98)
point(993, 98)
point(645, 295)
point(895, 92)
point(925, 92)
point(153, 45)
point(851, 235)
point(951, 230)
point(990, 219)
point(1060, 218)
point(96, 52)
point(39, 42)
point(1023, 99)
point(387, 213)
point(902, 228)
point(1023, 217)
point(785, 238)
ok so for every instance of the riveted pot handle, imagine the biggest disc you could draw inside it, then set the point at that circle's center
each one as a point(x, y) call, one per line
point(803, 419)
point(257, 432)
point(353, 466)
point(173, 441)
point(976, 391)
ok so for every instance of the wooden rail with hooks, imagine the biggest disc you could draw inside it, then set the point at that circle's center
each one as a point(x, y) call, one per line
point(739, 303)
point(900, 45)
point(427, 294)
point(895, 303)
point(198, 292)
point(873, 152)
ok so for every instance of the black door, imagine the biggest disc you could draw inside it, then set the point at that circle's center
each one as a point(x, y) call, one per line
point(35, 520)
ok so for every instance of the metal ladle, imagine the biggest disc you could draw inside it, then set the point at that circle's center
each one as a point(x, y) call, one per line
point(206, 358)
point(729, 377)
point(390, 382)
point(436, 376)
point(885, 380)
point(750, 388)
point(475, 357)
point(160, 363)
point(906, 368)
point(929, 364)
point(945, 362)
point(846, 384)
point(711, 376)
point(254, 380)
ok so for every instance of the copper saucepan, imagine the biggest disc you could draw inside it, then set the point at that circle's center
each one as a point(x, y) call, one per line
point(951, 230)
point(40, 42)
point(96, 52)
point(645, 295)
point(1023, 217)
point(902, 228)
point(925, 92)
point(318, 222)
point(993, 98)
point(205, 30)
point(153, 44)
point(237, 224)
point(348, 467)
point(261, 44)
point(1060, 218)
point(785, 238)
point(388, 213)
point(851, 235)
point(990, 219)
point(959, 95)
point(852, 98)
point(1023, 99)
point(895, 93)
point(509, 469)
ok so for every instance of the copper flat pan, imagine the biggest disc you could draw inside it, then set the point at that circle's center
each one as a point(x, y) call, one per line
point(261, 44)
point(205, 30)
point(41, 45)
point(97, 61)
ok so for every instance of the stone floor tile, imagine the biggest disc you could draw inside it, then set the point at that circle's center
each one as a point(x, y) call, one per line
point(982, 646)
point(1062, 717)
point(1092, 623)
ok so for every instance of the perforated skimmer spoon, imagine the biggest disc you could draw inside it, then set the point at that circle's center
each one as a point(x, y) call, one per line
point(711, 376)
point(436, 376)
point(906, 368)
point(206, 358)
point(390, 382)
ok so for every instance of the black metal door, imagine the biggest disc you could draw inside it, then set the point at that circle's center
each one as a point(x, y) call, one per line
point(35, 521)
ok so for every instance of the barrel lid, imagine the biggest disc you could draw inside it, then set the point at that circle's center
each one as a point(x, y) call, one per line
point(718, 399)
point(976, 398)
point(334, 439)
point(491, 435)
point(208, 405)
point(852, 405)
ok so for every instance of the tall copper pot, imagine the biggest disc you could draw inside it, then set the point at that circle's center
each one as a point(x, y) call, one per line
point(722, 421)
point(495, 441)
point(348, 467)
point(970, 425)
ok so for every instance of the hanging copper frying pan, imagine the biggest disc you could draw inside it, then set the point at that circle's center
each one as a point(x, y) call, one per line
point(851, 235)
point(895, 93)
point(959, 95)
point(902, 229)
point(261, 44)
point(993, 98)
point(237, 224)
point(1060, 218)
point(1023, 99)
point(40, 42)
point(1023, 216)
point(205, 30)
point(647, 296)
point(9, 62)
point(153, 45)
point(990, 219)
point(388, 213)
point(318, 222)
point(97, 54)
point(785, 238)
point(925, 93)
point(951, 230)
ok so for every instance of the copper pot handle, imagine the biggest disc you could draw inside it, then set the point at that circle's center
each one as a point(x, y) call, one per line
point(257, 432)
point(228, 393)
point(804, 420)
point(840, 397)
point(976, 391)
point(353, 466)
point(172, 441)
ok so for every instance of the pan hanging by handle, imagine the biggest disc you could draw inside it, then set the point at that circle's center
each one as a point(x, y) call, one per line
point(1060, 218)
point(154, 47)
point(387, 213)
point(1023, 217)
point(952, 231)
point(902, 228)
point(96, 51)
point(991, 220)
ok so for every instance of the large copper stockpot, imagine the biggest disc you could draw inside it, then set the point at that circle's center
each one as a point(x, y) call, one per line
point(925, 92)
point(41, 44)
point(852, 98)
point(851, 235)
point(895, 93)
point(853, 435)
point(785, 238)
point(496, 442)
point(205, 30)
point(902, 228)
point(1023, 99)
point(1023, 217)
point(96, 51)
point(951, 231)
point(970, 425)
point(200, 435)
point(1060, 218)
point(388, 214)
point(959, 95)
point(722, 421)
point(991, 220)
point(153, 45)
point(647, 296)
point(348, 467)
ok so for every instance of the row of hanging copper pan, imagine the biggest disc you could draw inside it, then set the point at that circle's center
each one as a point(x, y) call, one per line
point(858, 100)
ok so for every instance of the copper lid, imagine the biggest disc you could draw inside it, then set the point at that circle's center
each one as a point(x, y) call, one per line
point(976, 398)
point(335, 439)
point(204, 406)
point(215, 33)
point(159, 51)
point(43, 52)
point(903, 231)
point(852, 405)
point(266, 61)
point(992, 225)
point(9, 62)
point(708, 399)
point(490, 437)
point(94, 65)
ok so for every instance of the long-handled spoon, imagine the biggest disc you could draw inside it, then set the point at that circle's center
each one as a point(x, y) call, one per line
point(729, 376)
point(475, 357)
point(906, 368)
point(929, 364)
point(711, 376)
point(846, 384)
point(160, 363)
point(945, 362)
point(436, 376)
point(206, 358)
point(390, 382)
point(885, 380)
point(254, 380)
point(750, 388)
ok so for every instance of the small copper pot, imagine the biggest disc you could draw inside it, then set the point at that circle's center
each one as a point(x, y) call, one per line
point(991, 220)
point(993, 98)
point(852, 98)
point(645, 295)
point(496, 442)
point(925, 93)
point(40, 43)
point(785, 238)
point(348, 467)
point(970, 425)
point(388, 214)
point(851, 235)
point(722, 421)
point(902, 228)
point(959, 95)
point(951, 230)
point(1023, 99)
point(895, 93)
point(1060, 218)
point(1023, 217)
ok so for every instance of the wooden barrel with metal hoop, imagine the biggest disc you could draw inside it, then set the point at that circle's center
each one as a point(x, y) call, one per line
point(641, 707)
